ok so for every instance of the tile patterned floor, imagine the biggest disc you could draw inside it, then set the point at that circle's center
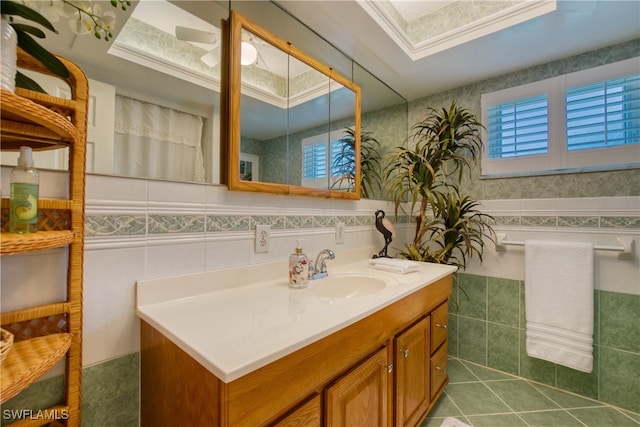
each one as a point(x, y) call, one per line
point(483, 397)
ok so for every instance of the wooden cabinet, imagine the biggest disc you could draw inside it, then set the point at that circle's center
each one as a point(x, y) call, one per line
point(45, 334)
point(439, 320)
point(360, 397)
point(412, 351)
point(438, 367)
point(357, 376)
point(308, 414)
point(439, 349)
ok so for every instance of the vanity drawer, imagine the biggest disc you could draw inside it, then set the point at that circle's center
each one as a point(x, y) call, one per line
point(439, 320)
point(438, 369)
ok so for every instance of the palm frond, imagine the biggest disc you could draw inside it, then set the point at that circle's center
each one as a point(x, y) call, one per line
point(445, 144)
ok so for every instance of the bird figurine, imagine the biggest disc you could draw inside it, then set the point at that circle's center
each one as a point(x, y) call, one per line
point(385, 227)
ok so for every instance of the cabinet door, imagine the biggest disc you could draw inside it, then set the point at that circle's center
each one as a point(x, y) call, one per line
point(412, 373)
point(360, 397)
point(308, 415)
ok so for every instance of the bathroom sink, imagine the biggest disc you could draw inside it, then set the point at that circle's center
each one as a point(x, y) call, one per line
point(347, 285)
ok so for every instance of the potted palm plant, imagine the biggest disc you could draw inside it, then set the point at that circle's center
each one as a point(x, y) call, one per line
point(427, 173)
point(344, 163)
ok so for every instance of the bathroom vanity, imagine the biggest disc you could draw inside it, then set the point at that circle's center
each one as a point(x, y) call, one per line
point(219, 349)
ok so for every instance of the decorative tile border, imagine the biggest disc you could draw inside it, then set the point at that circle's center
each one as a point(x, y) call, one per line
point(161, 224)
point(298, 221)
point(620, 222)
point(157, 224)
point(276, 222)
point(228, 223)
point(539, 221)
point(578, 221)
point(507, 220)
point(115, 225)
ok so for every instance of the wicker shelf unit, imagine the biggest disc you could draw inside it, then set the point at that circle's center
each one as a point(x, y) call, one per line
point(46, 334)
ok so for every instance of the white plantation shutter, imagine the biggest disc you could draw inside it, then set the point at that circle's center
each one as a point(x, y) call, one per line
point(589, 119)
point(315, 161)
point(604, 114)
point(518, 128)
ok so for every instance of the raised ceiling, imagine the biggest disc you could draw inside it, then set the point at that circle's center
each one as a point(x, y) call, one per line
point(535, 33)
point(417, 48)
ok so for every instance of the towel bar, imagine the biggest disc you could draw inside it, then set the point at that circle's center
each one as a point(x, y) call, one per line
point(625, 245)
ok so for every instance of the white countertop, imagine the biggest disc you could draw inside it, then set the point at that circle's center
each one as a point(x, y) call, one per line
point(236, 320)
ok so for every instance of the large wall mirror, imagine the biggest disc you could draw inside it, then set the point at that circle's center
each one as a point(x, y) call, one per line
point(289, 117)
point(152, 61)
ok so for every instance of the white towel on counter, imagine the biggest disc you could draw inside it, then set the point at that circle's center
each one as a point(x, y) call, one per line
point(559, 302)
point(453, 422)
point(394, 265)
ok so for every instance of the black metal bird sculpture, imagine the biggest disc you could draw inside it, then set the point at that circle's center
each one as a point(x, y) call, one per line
point(385, 227)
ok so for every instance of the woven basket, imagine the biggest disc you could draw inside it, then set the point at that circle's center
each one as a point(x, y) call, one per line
point(5, 343)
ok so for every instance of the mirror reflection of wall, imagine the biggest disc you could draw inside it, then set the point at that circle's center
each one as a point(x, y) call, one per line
point(157, 142)
point(307, 100)
point(167, 53)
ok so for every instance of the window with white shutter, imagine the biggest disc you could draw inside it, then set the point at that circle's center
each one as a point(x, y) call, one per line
point(585, 120)
point(319, 153)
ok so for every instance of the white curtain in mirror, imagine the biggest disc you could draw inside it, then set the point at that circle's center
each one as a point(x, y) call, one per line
point(157, 142)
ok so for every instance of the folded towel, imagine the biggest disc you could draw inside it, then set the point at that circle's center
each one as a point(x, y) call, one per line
point(393, 265)
point(559, 303)
point(453, 422)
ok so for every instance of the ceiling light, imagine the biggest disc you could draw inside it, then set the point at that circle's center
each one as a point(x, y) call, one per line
point(248, 54)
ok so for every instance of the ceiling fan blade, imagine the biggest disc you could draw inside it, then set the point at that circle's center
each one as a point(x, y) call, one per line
point(197, 36)
point(261, 60)
point(211, 58)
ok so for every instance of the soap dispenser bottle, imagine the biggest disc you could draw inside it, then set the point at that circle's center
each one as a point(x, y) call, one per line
point(298, 269)
point(23, 199)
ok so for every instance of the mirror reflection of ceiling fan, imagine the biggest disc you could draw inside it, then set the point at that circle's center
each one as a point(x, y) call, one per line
point(250, 53)
point(207, 38)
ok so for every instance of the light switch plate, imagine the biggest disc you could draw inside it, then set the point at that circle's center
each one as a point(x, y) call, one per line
point(263, 238)
point(339, 232)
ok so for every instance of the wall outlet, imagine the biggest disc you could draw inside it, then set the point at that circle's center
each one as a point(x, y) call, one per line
point(263, 238)
point(339, 232)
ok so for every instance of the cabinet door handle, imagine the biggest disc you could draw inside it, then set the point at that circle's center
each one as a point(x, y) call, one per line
point(405, 352)
point(441, 326)
point(390, 367)
point(438, 368)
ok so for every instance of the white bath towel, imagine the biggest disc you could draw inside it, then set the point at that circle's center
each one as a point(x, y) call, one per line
point(394, 265)
point(559, 302)
point(453, 422)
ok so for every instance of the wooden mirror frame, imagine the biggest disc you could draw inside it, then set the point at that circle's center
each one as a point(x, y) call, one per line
point(232, 108)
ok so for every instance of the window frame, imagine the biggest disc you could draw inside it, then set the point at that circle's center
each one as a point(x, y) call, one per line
point(558, 158)
point(324, 138)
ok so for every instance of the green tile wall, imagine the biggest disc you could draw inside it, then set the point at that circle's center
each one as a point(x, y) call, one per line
point(110, 394)
point(488, 328)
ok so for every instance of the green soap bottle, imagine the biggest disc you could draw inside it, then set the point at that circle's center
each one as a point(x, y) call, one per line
point(24, 195)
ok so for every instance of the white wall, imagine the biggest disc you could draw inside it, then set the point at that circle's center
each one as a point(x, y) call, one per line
point(113, 263)
point(531, 219)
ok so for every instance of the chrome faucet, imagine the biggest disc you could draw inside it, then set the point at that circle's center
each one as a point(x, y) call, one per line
point(319, 268)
